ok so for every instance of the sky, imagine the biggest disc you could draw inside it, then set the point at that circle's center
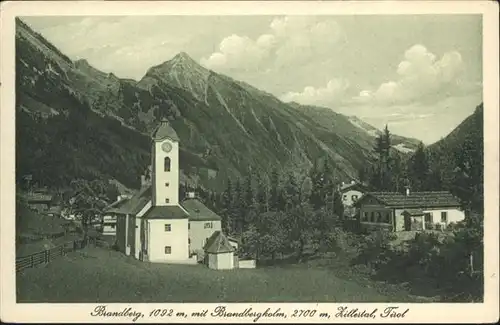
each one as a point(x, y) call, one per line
point(419, 74)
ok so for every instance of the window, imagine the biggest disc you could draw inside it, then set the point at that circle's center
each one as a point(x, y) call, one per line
point(112, 226)
point(379, 217)
point(189, 226)
point(365, 216)
point(428, 217)
point(168, 227)
point(444, 216)
point(167, 184)
point(167, 200)
point(168, 250)
point(354, 198)
point(166, 164)
point(372, 216)
point(387, 217)
point(208, 225)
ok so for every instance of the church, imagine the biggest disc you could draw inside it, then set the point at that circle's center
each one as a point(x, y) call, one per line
point(153, 225)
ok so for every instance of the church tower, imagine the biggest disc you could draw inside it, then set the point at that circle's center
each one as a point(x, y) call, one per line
point(165, 162)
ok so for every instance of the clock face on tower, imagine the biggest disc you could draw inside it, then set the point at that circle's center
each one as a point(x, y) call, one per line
point(167, 147)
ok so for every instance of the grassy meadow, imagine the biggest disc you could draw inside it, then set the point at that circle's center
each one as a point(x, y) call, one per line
point(101, 275)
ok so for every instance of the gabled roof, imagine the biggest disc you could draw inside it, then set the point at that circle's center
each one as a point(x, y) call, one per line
point(353, 186)
point(198, 211)
point(166, 212)
point(135, 204)
point(218, 243)
point(413, 200)
point(164, 131)
point(115, 206)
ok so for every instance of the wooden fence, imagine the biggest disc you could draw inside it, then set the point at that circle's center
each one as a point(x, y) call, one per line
point(46, 256)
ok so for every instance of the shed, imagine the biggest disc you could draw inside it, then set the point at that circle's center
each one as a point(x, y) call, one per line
point(219, 252)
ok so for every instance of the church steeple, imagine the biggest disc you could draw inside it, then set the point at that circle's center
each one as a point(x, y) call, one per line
point(165, 162)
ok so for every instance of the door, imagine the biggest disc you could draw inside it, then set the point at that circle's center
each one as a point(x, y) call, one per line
point(407, 222)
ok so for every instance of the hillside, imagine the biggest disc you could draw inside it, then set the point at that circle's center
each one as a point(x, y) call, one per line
point(76, 121)
point(400, 143)
point(460, 159)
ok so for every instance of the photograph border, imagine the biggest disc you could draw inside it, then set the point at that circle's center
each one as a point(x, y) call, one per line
point(488, 311)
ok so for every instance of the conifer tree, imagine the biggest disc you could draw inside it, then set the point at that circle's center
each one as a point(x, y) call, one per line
point(418, 170)
point(276, 193)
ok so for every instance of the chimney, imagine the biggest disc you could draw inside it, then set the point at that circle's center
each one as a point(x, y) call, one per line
point(190, 195)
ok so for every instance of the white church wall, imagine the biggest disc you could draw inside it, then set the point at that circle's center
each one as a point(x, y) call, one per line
point(176, 239)
point(200, 231)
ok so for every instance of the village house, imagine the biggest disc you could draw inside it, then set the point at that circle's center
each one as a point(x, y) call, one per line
point(410, 211)
point(110, 213)
point(350, 193)
point(153, 225)
point(40, 202)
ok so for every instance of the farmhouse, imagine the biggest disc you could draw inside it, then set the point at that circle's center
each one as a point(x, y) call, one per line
point(153, 225)
point(40, 202)
point(350, 193)
point(411, 211)
point(110, 213)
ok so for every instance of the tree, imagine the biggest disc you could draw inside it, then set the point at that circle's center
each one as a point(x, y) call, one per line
point(276, 202)
point(291, 193)
point(418, 169)
point(263, 195)
point(381, 177)
point(88, 199)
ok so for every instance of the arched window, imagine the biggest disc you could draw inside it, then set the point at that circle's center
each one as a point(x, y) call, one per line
point(167, 164)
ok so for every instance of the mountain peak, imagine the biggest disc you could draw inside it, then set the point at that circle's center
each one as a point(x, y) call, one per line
point(182, 56)
point(181, 71)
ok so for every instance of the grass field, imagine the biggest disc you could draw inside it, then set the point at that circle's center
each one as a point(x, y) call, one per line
point(100, 275)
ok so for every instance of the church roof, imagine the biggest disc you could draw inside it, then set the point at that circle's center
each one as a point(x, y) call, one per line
point(135, 204)
point(218, 243)
point(198, 211)
point(164, 131)
point(166, 212)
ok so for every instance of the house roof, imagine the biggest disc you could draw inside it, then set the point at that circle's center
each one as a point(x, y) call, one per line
point(55, 209)
point(218, 243)
point(166, 212)
point(135, 204)
point(38, 197)
point(350, 186)
point(164, 131)
point(198, 211)
point(414, 200)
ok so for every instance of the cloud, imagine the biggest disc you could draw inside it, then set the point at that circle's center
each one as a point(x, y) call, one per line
point(420, 77)
point(332, 92)
point(288, 41)
point(240, 52)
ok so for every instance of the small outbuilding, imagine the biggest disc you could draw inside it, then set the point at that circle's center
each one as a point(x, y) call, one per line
point(219, 253)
